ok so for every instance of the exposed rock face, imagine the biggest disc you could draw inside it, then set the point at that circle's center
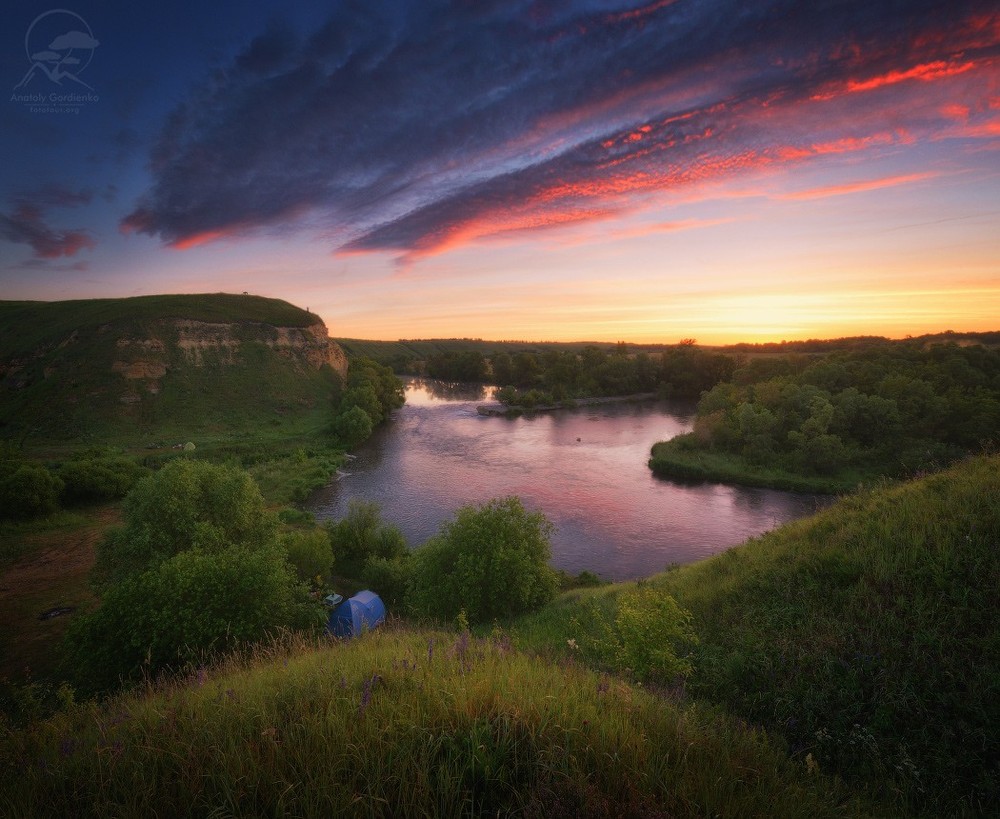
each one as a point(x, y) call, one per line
point(201, 342)
point(207, 362)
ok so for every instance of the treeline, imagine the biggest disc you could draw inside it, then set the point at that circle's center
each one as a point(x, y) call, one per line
point(372, 392)
point(29, 489)
point(889, 410)
point(554, 375)
point(859, 343)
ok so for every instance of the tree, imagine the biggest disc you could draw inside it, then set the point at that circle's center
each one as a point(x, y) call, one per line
point(27, 490)
point(489, 561)
point(187, 504)
point(196, 568)
point(309, 551)
point(192, 605)
point(361, 535)
point(353, 425)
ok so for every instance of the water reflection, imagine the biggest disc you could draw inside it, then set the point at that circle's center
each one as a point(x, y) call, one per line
point(585, 469)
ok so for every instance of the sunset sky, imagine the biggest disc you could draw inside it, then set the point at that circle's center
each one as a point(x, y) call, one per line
point(599, 170)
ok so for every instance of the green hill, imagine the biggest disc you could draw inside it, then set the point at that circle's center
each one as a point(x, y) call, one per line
point(404, 723)
point(170, 366)
point(865, 635)
point(863, 640)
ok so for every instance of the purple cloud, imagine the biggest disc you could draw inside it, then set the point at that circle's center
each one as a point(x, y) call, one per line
point(408, 128)
point(25, 223)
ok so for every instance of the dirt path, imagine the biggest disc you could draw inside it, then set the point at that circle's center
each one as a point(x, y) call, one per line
point(52, 575)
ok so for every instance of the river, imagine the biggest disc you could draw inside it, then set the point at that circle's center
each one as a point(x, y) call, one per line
point(584, 468)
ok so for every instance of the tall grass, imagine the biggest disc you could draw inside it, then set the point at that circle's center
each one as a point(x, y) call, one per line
point(402, 723)
point(866, 636)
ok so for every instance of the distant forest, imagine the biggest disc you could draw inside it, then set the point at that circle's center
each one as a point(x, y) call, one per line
point(831, 412)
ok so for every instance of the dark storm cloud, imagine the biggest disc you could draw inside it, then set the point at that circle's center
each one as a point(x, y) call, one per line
point(409, 126)
point(25, 222)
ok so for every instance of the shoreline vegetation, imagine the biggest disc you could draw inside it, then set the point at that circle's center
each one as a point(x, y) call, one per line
point(672, 460)
point(502, 409)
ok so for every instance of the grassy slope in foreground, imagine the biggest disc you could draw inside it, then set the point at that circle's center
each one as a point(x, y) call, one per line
point(404, 723)
point(866, 635)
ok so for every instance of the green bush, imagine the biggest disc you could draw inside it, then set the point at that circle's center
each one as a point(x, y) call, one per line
point(389, 578)
point(98, 479)
point(309, 552)
point(649, 637)
point(490, 561)
point(353, 425)
point(188, 607)
point(27, 490)
point(187, 504)
point(361, 535)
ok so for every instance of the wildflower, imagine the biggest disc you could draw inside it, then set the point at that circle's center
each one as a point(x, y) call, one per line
point(461, 645)
point(366, 693)
point(572, 644)
point(67, 747)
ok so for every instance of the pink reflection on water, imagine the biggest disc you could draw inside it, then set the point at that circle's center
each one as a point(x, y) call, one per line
point(585, 469)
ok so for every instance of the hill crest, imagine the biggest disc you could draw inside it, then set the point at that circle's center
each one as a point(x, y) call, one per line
point(193, 362)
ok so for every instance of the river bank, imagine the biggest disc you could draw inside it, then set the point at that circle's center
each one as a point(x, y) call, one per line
point(499, 409)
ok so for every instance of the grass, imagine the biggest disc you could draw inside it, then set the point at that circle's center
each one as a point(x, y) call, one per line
point(673, 460)
point(862, 639)
point(404, 722)
point(27, 325)
point(865, 636)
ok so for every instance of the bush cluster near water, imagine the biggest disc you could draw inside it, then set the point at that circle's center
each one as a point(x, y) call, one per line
point(888, 411)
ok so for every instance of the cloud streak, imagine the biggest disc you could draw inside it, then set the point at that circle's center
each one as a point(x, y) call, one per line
point(415, 128)
point(25, 223)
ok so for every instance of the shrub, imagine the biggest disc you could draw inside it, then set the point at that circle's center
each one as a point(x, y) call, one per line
point(186, 608)
point(27, 490)
point(491, 561)
point(98, 479)
point(361, 535)
point(309, 552)
point(647, 638)
point(187, 504)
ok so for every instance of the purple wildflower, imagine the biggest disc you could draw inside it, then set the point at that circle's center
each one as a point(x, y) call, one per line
point(366, 693)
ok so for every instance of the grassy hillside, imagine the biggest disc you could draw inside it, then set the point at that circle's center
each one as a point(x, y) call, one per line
point(865, 635)
point(404, 723)
point(27, 325)
point(123, 370)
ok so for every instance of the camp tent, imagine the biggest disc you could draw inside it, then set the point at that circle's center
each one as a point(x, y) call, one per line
point(363, 612)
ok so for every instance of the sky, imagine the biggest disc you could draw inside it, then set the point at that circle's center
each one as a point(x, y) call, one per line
point(598, 170)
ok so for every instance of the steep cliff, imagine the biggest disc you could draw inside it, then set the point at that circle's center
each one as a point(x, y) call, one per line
point(110, 368)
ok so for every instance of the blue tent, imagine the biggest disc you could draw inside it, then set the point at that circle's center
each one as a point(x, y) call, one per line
point(363, 612)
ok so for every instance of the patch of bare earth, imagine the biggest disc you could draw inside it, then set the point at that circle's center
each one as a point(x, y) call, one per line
point(42, 591)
